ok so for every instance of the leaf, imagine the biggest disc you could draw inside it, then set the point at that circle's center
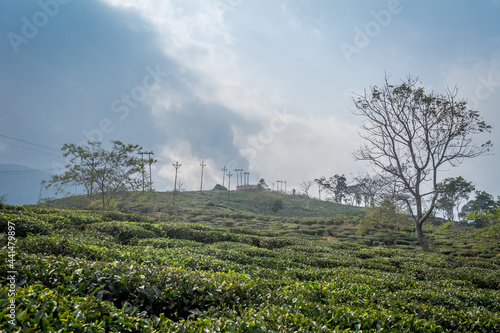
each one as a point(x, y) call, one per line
point(22, 315)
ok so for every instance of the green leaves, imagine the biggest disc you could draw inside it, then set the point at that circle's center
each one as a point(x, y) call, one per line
point(150, 276)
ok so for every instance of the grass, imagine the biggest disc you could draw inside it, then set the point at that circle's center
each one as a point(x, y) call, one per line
point(208, 203)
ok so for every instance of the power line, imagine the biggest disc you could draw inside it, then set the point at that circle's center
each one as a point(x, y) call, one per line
point(31, 143)
point(23, 172)
point(38, 151)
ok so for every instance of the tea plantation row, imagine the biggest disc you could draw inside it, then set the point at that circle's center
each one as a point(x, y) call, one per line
point(100, 272)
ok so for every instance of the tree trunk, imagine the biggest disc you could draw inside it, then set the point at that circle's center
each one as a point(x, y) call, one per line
point(103, 201)
point(421, 237)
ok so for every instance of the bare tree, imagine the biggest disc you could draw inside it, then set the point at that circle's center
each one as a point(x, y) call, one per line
point(411, 134)
point(180, 184)
point(3, 197)
point(368, 187)
point(305, 185)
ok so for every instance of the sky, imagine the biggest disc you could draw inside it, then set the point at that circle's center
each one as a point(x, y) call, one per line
point(263, 86)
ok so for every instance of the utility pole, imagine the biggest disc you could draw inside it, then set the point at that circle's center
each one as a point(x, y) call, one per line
point(40, 194)
point(149, 153)
point(285, 185)
point(239, 178)
point(223, 174)
point(176, 166)
point(150, 161)
point(142, 153)
point(229, 174)
point(202, 164)
point(246, 178)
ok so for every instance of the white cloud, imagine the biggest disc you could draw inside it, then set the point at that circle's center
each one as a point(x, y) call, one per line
point(190, 170)
point(303, 148)
point(199, 39)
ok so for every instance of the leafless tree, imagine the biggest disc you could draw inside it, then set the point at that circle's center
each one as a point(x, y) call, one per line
point(305, 185)
point(411, 135)
point(180, 185)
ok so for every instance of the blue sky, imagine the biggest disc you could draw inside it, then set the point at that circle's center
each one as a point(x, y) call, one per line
point(261, 85)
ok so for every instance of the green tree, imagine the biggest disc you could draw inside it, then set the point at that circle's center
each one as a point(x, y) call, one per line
point(265, 201)
point(490, 221)
point(340, 188)
point(383, 216)
point(262, 183)
point(411, 135)
point(336, 185)
point(101, 170)
point(482, 203)
point(452, 192)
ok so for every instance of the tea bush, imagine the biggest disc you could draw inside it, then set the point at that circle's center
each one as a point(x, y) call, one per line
point(85, 272)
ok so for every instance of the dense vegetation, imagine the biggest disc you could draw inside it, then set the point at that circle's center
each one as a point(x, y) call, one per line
point(214, 268)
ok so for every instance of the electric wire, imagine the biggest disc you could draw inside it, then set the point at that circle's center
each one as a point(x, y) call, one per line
point(38, 151)
point(31, 143)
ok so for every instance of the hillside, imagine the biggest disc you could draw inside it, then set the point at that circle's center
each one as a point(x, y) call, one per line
point(301, 217)
point(196, 202)
point(109, 271)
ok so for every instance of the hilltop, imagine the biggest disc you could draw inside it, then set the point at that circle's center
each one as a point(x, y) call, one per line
point(207, 202)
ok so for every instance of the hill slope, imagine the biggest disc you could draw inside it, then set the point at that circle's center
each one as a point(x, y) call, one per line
point(107, 271)
point(194, 202)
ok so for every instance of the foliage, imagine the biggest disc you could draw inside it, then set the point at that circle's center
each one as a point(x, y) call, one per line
point(481, 203)
point(383, 216)
point(98, 272)
point(219, 187)
point(489, 221)
point(452, 192)
point(265, 201)
point(100, 170)
point(336, 185)
point(412, 134)
point(262, 183)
